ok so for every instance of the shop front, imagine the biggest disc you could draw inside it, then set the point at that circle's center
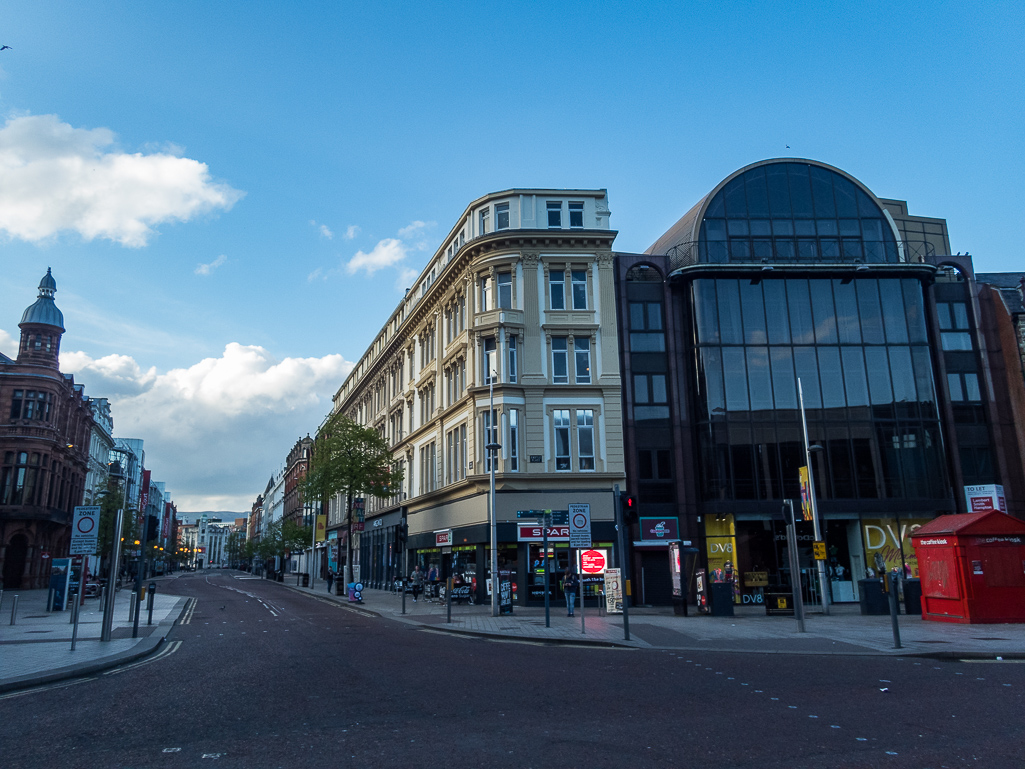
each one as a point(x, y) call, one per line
point(380, 563)
point(755, 546)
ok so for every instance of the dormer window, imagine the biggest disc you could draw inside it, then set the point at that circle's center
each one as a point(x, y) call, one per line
point(576, 215)
point(554, 214)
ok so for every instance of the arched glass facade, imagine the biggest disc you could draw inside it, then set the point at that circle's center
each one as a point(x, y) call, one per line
point(859, 348)
point(795, 212)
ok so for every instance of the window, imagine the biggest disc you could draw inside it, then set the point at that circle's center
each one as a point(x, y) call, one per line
point(31, 404)
point(560, 368)
point(576, 215)
point(646, 327)
point(512, 359)
point(489, 435)
point(485, 289)
point(483, 230)
point(953, 317)
point(585, 438)
point(488, 360)
point(505, 290)
point(560, 418)
point(428, 468)
point(654, 465)
point(456, 464)
point(554, 214)
point(579, 278)
point(650, 397)
point(964, 387)
point(557, 288)
point(514, 440)
point(501, 216)
point(582, 360)
point(22, 480)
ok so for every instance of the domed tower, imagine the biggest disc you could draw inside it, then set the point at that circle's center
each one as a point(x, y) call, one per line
point(41, 326)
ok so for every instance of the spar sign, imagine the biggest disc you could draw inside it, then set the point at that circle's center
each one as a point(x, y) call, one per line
point(85, 530)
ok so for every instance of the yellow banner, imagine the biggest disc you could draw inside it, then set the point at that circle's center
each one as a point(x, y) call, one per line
point(721, 546)
point(321, 528)
point(883, 536)
point(805, 493)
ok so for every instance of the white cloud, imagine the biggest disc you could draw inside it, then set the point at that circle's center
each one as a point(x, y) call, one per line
point(386, 253)
point(323, 229)
point(406, 277)
point(414, 228)
point(216, 430)
point(352, 231)
point(60, 178)
point(8, 344)
point(317, 274)
point(206, 269)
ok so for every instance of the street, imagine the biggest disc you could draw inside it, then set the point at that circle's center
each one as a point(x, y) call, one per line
point(257, 675)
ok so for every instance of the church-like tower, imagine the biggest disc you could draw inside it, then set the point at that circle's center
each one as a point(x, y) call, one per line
point(42, 325)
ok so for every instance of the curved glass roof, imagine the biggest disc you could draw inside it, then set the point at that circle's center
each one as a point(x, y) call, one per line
point(785, 211)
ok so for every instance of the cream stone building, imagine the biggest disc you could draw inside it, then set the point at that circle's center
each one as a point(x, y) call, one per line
point(519, 297)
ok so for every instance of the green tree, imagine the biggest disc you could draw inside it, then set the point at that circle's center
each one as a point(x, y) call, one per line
point(349, 460)
point(110, 502)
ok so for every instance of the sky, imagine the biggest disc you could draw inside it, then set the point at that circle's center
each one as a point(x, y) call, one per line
point(234, 197)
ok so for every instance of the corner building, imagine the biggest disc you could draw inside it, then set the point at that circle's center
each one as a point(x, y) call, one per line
point(793, 270)
point(521, 296)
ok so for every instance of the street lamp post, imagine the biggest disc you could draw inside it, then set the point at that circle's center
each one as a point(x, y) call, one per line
point(492, 448)
point(115, 564)
point(820, 565)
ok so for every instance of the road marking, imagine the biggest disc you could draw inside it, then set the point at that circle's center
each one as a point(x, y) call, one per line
point(167, 651)
point(171, 750)
point(60, 685)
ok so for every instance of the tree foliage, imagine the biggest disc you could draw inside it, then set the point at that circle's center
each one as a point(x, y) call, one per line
point(351, 460)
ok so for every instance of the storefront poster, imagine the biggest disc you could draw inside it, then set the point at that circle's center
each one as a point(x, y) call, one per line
point(674, 568)
point(613, 592)
point(721, 543)
point(884, 536)
point(985, 499)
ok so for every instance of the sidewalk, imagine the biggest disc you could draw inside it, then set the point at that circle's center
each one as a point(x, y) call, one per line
point(844, 631)
point(37, 649)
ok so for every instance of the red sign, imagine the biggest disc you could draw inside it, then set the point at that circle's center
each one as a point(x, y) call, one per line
point(592, 562)
point(443, 538)
point(529, 532)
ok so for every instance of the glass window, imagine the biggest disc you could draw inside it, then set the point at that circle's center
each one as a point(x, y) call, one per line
point(754, 313)
point(488, 361)
point(971, 387)
point(784, 388)
point(512, 359)
point(831, 377)
point(854, 376)
point(711, 369)
point(759, 378)
point(954, 385)
point(637, 313)
point(484, 215)
point(582, 359)
point(557, 288)
point(560, 418)
point(776, 311)
point(514, 439)
point(878, 369)
point(705, 310)
point(914, 310)
point(802, 329)
point(955, 340)
point(654, 316)
point(647, 342)
point(576, 214)
point(554, 214)
point(501, 216)
point(847, 312)
point(870, 310)
point(642, 393)
point(893, 311)
point(731, 329)
point(505, 290)
point(560, 363)
point(823, 312)
point(585, 438)
point(903, 375)
point(488, 435)
point(579, 281)
point(807, 370)
point(735, 375)
point(484, 297)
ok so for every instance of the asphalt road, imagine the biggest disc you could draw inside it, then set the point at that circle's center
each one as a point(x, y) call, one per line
point(261, 676)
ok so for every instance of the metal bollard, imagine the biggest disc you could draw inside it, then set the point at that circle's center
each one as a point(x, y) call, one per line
point(14, 610)
point(132, 600)
point(149, 601)
point(74, 614)
point(448, 595)
point(49, 600)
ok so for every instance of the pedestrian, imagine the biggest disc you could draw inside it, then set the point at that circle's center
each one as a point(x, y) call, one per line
point(417, 579)
point(569, 587)
point(330, 579)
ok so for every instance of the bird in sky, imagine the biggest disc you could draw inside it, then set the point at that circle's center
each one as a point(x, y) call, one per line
point(5, 47)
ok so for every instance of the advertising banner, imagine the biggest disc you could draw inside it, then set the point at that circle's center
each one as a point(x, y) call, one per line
point(721, 543)
point(613, 591)
point(655, 529)
point(674, 569)
point(985, 499)
point(60, 582)
point(802, 472)
point(884, 536)
point(321, 528)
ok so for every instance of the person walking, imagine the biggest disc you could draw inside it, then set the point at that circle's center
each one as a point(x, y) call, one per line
point(330, 579)
point(570, 583)
point(417, 580)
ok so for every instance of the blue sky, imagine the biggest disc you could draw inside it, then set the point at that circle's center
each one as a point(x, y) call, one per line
point(199, 175)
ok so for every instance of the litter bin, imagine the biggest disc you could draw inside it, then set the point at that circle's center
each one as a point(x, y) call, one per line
point(873, 599)
point(913, 597)
point(721, 598)
point(281, 576)
point(779, 604)
point(306, 580)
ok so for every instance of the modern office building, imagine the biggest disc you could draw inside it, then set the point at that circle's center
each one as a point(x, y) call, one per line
point(519, 297)
point(791, 276)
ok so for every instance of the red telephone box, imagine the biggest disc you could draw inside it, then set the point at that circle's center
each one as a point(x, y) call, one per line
point(972, 568)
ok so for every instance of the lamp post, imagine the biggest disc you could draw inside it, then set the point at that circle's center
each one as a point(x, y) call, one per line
point(115, 560)
point(492, 448)
point(820, 565)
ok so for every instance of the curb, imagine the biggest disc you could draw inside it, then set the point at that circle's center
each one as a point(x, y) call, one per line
point(147, 646)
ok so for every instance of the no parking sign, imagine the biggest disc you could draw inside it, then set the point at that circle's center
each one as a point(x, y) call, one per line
point(85, 530)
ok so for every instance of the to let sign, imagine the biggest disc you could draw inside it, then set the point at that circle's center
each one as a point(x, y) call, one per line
point(85, 529)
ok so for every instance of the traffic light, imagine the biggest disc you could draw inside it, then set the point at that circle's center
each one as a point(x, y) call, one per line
point(402, 532)
point(630, 511)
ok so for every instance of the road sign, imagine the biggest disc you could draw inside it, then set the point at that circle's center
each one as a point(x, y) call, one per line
point(593, 561)
point(819, 548)
point(85, 530)
point(580, 525)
